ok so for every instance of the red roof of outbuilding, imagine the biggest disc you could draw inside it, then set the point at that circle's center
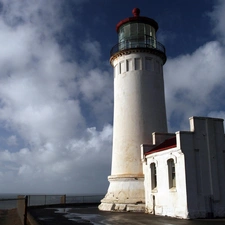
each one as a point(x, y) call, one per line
point(137, 18)
point(167, 144)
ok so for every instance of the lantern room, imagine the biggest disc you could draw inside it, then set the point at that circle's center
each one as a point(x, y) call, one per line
point(138, 32)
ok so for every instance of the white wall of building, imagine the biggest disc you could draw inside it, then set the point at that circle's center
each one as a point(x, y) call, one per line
point(204, 151)
point(200, 170)
point(168, 201)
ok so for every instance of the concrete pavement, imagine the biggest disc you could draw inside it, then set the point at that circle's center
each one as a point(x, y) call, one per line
point(91, 215)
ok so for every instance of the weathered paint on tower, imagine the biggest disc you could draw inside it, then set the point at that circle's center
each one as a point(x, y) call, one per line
point(139, 108)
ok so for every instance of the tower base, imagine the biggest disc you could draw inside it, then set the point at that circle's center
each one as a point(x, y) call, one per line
point(125, 193)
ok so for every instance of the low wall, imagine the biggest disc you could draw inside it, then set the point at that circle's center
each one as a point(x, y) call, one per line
point(21, 207)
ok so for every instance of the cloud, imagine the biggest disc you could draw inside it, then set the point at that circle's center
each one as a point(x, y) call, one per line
point(193, 79)
point(12, 140)
point(69, 169)
point(42, 95)
point(218, 20)
point(195, 82)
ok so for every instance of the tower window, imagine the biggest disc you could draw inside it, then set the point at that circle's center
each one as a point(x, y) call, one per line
point(137, 63)
point(171, 173)
point(153, 176)
point(148, 64)
point(115, 70)
point(157, 67)
point(122, 69)
point(129, 64)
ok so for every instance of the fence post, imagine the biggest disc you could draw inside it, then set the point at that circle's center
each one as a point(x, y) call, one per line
point(28, 196)
point(25, 210)
point(63, 199)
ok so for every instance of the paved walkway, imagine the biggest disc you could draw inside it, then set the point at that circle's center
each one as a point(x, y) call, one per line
point(91, 215)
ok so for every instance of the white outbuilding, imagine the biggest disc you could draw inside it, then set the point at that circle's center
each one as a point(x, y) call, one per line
point(184, 175)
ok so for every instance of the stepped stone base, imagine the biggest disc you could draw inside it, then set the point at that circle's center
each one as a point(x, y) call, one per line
point(125, 193)
point(122, 207)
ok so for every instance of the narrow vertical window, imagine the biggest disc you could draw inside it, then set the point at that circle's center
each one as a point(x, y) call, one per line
point(157, 67)
point(171, 173)
point(137, 63)
point(148, 64)
point(129, 64)
point(122, 69)
point(153, 176)
point(115, 70)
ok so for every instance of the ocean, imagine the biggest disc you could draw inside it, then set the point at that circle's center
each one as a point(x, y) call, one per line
point(9, 201)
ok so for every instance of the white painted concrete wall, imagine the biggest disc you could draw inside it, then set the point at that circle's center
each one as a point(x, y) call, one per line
point(205, 166)
point(139, 109)
point(168, 201)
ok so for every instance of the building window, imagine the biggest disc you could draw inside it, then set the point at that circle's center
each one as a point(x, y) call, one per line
point(171, 173)
point(153, 176)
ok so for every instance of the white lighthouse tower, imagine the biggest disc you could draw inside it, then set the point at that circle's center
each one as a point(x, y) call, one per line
point(139, 108)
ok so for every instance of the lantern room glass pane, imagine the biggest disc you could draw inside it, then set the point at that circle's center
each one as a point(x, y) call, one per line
point(152, 33)
point(141, 31)
point(121, 34)
point(126, 32)
point(147, 29)
point(135, 31)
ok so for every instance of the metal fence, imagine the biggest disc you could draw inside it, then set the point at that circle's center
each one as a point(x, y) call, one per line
point(35, 200)
point(39, 200)
point(84, 199)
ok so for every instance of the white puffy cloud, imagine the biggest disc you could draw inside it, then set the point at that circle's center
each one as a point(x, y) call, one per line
point(12, 140)
point(218, 20)
point(41, 98)
point(195, 82)
point(67, 169)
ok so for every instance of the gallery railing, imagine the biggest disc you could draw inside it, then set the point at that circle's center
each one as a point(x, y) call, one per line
point(148, 42)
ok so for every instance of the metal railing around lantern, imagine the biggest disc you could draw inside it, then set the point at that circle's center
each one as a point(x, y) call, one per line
point(147, 42)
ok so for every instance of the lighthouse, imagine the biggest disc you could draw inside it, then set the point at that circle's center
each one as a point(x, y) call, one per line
point(139, 108)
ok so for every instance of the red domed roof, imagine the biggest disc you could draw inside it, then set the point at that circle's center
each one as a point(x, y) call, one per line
point(139, 19)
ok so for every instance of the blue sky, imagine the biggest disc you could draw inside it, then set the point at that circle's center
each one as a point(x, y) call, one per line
point(56, 95)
